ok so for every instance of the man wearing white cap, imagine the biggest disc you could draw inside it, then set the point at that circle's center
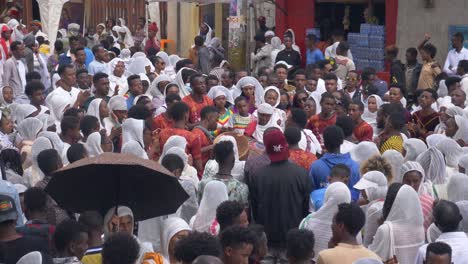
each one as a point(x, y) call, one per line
point(269, 35)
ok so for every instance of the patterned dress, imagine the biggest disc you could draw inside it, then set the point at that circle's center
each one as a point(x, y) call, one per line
point(302, 158)
point(196, 107)
point(237, 191)
point(363, 132)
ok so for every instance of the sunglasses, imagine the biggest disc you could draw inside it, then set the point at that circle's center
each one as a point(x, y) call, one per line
point(351, 79)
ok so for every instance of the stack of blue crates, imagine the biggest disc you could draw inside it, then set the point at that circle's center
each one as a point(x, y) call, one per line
point(368, 46)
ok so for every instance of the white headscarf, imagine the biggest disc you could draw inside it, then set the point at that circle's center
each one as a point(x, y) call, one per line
point(463, 162)
point(171, 227)
point(208, 35)
point(121, 211)
point(115, 80)
point(413, 147)
point(364, 151)
point(216, 91)
point(133, 147)
point(432, 160)
point(272, 88)
point(402, 232)
point(246, 81)
point(320, 221)
point(189, 172)
point(173, 141)
point(395, 159)
point(29, 128)
point(57, 105)
point(153, 90)
point(173, 59)
point(413, 166)
point(128, 40)
point(138, 63)
point(117, 102)
point(462, 132)
point(434, 139)
point(21, 111)
point(132, 129)
point(377, 183)
point(40, 144)
point(93, 144)
point(369, 117)
point(181, 82)
point(214, 194)
point(57, 143)
point(93, 110)
point(276, 43)
point(169, 69)
point(457, 188)
point(463, 206)
point(451, 150)
point(259, 130)
point(34, 257)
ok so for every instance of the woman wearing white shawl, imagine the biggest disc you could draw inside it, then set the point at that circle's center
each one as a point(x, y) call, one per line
point(216, 89)
point(211, 167)
point(320, 222)
point(117, 77)
point(93, 144)
point(173, 59)
point(4, 105)
point(173, 229)
point(169, 69)
point(279, 115)
point(373, 186)
point(395, 159)
point(452, 153)
point(402, 233)
point(139, 63)
point(432, 160)
point(457, 193)
point(128, 39)
point(156, 90)
point(363, 151)
point(133, 147)
point(33, 174)
point(463, 164)
point(266, 110)
point(123, 213)
point(17, 34)
point(249, 81)
point(462, 131)
point(22, 111)
point(208, 34)
point(370, 116)
point(28, 130)
point(132, 129)
point(412, 148)
point(180, 81)
point(214, 194)
point(276, 48)
point(294, 46)
point(94, 110)
point(116, 104)
point(434, 139)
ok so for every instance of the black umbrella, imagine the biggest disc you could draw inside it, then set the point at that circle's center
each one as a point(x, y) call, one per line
point(114, 179)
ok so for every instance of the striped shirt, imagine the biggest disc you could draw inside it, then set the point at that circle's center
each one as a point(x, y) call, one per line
point(393, 142)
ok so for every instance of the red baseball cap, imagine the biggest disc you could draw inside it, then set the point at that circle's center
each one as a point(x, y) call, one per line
point(276, 146)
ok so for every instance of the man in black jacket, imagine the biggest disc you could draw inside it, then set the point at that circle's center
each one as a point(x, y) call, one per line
point(279, 194)
point(290, 56)
point(397, 71)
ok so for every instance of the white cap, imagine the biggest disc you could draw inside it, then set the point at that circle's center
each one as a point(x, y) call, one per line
point(284, 63)
point(269, 33)
point(265, 109)
point(371, 179)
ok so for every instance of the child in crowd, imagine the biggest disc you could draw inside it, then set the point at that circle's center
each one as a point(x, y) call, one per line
point(339, 173)
point(242, 118)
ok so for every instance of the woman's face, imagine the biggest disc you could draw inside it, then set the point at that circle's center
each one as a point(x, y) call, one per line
point(174, 239)
point(126, 224)
point(271, 97)
point(263, 119)
point(413, 179)
point(172, 90)
point(310, 108)
point(220, 102)
point(248, 90)
point(452, 127)
point(103, 109)
point(394, 95)
point(8, 94)
point(301, 100)
point(119, 69)
point(6, 125)
point(372, 104)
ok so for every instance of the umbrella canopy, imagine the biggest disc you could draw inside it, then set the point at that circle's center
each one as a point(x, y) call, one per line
point(114, 179)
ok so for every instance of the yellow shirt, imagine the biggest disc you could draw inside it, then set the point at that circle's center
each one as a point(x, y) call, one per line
point(345, 254)
point(92, 256)
point(428, 74)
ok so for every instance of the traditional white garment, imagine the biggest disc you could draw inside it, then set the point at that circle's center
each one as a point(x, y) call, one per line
point(457, 188)
point(294, 46)
point(434, 139)
point(221, 90)
point(320, 222)
point(183, 91)
point(249, 81)
point(128, 40)
point(462, 132)
point(208, 35)
point(371, 118)
point(238, 169)
point(463, 162)
point(173, 59)
point(169, 69)
point(395, 159)
point(93, 144)
point(214, 194)
point(259, 130)
point(432, 160)
point(132, 129)
point(347, 146)
point(115, 81)
point(19, 112)
point(367, 261)
point(153, 89)
point(34, 257)
point(402, 233)
point(58, 100)
point(29, 128)
point(133, 147)
point(452, 153)
point(458, 242)
point(279, 115)
point(364, 151)
point(93, 110)
point(138, 63)
point(33, 174)
point(375, 184)
point(463, 206)
point(276, 48)
point(171, 227)
point(413, 147)
point(116, 103)
point(54, 138)
point(309, 142)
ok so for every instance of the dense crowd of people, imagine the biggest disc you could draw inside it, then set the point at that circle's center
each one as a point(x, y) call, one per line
point(293, 163)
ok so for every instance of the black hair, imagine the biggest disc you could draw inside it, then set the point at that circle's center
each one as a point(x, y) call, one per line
point(81, 71)
point(399, 87)
point(296, 96)
point(139, 111)
point(96, 49)
point(62, 68)
point(227, 212)
point(333, 137)
point(359, 103)
point(78, 49)
point(208, 110)
point(92, 220)
point(131, 78)
point(327, 95)
point(58, 46)
point(300, 72)
point(432, 92)
point(397, 121)
point(67, 232)
point(120, 248)
point(240, 98)
point(321, 64)
point(351, 216)
point(89, 124)
point(76, 152)
point(178, 110)
point(330, 76)
point(98, 76)
point(35, 199)
point(68, 123)
point(260, 37)
point(293, 135)
point(340, 170)
point(231, 75)
point(73, 39)
point(187, 74)
point(278, 66)
point(199, 41)
point(236, 236)
point(172, 162)
point(367, 72)
point(447, 216)
point(463, 64)
point(453, 79)
point(212, 78)
point(193, 77)
point(460, 36)
point(263, 71)
point(413, 51)
point(439, 248)
point(12, 160)
point(312, 37)
point(392, 192)
point(196, 244)
point(73, 112)
point(346, 124)
point(32, 76)
point(48, 160)
point(171, 98)
point(15, 45)
point(300, 244)
point(388, 109)
point(342, 47)
point(431, 49)
point(182, 63)
point(223, 150)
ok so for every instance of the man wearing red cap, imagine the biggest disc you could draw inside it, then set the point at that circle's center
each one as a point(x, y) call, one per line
point(152, 41)
point(279, 194)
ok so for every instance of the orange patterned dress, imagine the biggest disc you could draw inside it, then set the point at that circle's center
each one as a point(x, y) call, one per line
point(302, 158)
point(196, 107)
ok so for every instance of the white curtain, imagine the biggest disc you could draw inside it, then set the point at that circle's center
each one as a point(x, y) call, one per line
point(51, 11)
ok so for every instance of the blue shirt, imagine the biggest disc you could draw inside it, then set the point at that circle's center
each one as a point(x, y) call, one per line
point(96, 67)
point(6, 188)
point(314, 56)
point(130, 100)
point(89, 57)
point(317, 197)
